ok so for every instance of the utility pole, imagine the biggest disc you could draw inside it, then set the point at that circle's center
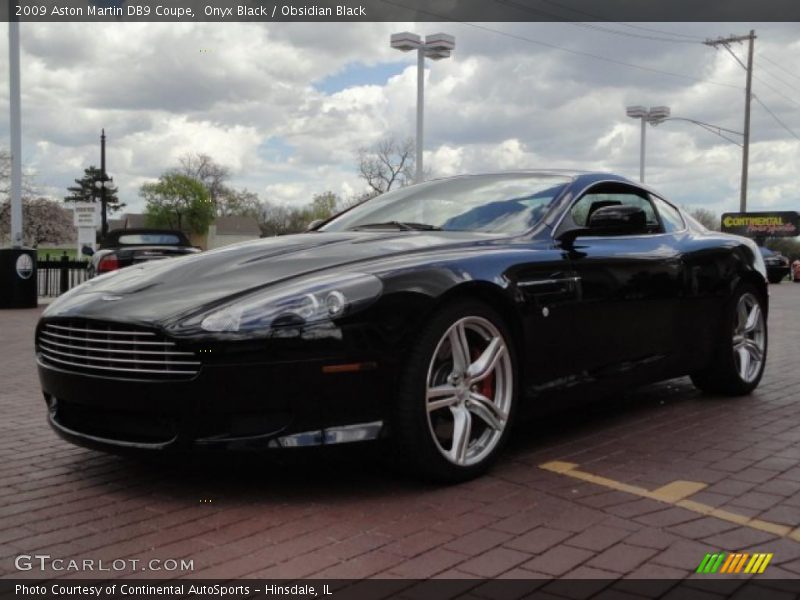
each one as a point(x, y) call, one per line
point(725, 43)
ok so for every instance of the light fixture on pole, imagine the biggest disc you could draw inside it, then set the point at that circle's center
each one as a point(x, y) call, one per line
point(436, 47)
point(656, 114)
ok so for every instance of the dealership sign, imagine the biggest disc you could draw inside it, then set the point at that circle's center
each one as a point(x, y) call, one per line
point(84, 214)
point(762, 224)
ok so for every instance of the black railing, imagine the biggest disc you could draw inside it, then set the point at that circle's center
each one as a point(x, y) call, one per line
point(59, 274)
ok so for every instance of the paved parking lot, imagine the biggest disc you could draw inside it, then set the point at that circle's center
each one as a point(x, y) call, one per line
point(643, 486)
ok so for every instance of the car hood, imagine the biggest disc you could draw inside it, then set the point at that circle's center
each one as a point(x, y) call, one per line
point(161, 291)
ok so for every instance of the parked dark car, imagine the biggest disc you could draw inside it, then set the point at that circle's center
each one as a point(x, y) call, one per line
point(430, 316)
point(125, 247)
point(777, 264)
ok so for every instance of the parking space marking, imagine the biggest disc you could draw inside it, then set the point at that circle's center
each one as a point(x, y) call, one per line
point(675, 493)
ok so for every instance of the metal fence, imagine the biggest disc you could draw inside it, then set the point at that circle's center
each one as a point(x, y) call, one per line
point(59, 274)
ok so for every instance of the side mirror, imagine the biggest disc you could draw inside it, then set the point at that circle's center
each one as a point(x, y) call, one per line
point(617, 220)
point(87, 251)
point(314, 224)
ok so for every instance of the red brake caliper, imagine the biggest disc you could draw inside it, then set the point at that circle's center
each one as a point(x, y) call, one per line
point(486, 387)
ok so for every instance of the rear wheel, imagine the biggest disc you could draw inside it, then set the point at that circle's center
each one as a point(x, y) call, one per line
point(457, 397)
point(741, 352)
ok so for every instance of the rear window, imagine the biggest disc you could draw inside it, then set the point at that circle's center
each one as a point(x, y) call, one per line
point(160, 239)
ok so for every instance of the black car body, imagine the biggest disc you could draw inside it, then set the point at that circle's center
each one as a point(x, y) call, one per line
point(777, 264)
point(314, 338)
point(126, 247)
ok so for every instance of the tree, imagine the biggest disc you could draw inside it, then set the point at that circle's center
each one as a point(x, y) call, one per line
point(323, 206)
point(707, 218)
point(44, 221)
point(28, 188)
point(232, 202)
point(178, 202)
point(386, 164)
point(211, 174)
point(84, 190)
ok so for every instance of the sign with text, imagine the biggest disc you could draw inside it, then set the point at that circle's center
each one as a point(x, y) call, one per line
point(762, 224)
point(84, 214)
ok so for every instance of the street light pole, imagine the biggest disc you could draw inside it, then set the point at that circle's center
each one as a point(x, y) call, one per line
point(655, 114)
point(420, 110)
point(436, 47)
point(642, 152)
point(15, 131)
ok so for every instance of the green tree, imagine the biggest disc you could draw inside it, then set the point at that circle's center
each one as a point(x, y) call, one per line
point(84, 190)
point(323, 206)
point(179, 202)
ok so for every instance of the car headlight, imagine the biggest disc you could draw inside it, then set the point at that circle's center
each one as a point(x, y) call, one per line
point(301, 303)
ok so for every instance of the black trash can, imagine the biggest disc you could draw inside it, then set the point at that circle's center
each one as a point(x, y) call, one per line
point(18, 278)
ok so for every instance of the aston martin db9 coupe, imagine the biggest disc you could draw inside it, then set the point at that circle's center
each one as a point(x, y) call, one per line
point(430, 316)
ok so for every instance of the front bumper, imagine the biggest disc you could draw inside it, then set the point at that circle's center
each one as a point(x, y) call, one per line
point(249, 407)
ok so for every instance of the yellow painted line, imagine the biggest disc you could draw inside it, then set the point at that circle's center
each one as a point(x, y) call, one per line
point(675, 493)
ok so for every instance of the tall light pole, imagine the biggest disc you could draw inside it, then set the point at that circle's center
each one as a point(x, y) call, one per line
point(436, 47)
point(16, 132)
point(655, 114)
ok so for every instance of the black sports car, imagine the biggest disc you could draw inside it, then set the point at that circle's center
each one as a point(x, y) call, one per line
point(429, 315)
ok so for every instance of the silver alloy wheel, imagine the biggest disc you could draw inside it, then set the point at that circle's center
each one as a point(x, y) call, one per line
point(749, 337)
point(469, 390)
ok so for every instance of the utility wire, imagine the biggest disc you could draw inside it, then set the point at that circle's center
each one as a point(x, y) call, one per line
point(639, 27)
point(774, 116)
point(607, 59)
point(593, 26)
point(785, 70)
point(769, 72)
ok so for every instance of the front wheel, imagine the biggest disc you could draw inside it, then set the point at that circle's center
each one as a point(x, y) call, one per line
point(457, 397)
point(741, 352)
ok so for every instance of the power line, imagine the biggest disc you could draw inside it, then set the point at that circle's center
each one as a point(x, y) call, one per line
point(774, 64)
point(774, 116)
point(595, 56)
point(593, 26)
point(567, 50)
point(771, 74)
point(639, 27)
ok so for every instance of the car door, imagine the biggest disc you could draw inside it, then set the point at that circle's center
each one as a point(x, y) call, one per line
point(625, 319)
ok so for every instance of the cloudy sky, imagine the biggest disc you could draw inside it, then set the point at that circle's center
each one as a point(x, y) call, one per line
point(286, 106)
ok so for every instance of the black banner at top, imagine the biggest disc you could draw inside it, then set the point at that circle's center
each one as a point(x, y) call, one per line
point(399, 10)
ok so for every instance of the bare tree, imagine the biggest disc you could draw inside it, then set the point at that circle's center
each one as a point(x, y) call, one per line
point(389, 163)
point(706, 217)
point(44, 221)
point(208, 172)
point(28, 187)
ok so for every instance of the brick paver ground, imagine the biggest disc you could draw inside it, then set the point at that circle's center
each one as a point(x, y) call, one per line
point(347, 516)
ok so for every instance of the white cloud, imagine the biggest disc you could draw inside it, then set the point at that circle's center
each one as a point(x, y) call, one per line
point(231, 90)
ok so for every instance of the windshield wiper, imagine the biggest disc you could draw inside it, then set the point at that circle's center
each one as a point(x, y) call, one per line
point(401, 225)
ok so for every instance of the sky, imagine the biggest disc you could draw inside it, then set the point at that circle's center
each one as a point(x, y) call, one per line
point(286, 106)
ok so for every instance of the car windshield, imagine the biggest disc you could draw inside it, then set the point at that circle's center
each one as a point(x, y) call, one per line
point(159, 239)
point(509, 203)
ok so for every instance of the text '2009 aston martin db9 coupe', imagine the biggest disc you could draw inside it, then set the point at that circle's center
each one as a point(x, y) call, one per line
point(430, 315)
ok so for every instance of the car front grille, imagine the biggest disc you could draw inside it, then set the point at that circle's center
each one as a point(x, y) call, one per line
point(113, 350)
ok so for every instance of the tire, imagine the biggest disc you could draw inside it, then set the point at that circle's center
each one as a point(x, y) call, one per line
point(450, 422)
point(741, 352)
point(775, 279)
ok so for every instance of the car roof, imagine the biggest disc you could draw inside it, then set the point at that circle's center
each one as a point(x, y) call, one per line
point(574, 174)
